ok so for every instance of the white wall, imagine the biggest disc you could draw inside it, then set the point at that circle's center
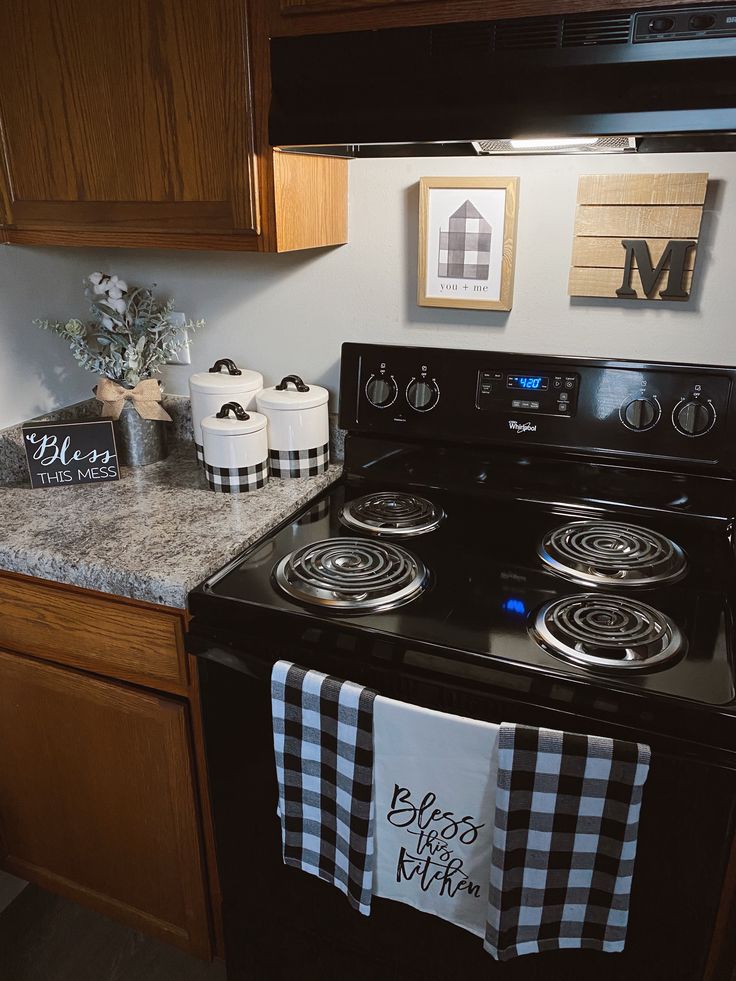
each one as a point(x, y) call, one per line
point(291, 312)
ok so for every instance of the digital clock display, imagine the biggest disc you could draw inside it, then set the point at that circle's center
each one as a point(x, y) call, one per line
point(529, 383)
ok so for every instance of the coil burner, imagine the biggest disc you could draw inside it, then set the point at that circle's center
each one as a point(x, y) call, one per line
point(351, 575)
point(391, 514)
point(611, 553)
point(602, 631)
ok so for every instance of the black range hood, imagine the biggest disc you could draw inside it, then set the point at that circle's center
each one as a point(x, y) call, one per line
point(665, 76)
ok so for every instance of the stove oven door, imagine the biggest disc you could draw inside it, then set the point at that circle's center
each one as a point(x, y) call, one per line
point(283, 924)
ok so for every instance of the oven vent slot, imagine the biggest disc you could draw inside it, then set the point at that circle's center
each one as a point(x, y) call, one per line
point(578, 32)
point(519, 35)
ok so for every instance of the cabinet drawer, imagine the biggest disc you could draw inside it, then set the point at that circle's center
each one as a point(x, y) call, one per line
point(132, 642)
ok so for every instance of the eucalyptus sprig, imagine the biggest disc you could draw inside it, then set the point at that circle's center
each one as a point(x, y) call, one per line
point(131, 334)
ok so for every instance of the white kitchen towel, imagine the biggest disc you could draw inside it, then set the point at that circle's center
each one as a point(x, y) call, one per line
point(434, 791)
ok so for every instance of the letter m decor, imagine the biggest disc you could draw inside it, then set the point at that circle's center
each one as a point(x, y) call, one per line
point(636, 235)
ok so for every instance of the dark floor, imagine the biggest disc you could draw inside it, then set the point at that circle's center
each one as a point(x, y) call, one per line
point(46, 938)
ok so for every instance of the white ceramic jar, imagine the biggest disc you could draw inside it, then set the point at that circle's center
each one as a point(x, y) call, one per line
point(298, 427)
point(235, 450)
point(209, 390)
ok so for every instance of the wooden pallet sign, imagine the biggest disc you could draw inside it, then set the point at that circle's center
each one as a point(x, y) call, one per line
point(636, 235)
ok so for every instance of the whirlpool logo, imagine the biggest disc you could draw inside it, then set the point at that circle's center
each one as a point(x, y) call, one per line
point(522, 427)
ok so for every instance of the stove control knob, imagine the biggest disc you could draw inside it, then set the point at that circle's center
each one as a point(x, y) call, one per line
point(693, 418)
point(639, 414)
point(422, 394)
point(381, 390)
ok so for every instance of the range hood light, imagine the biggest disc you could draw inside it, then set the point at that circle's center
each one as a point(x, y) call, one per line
point(558, 144)
point(554, 143)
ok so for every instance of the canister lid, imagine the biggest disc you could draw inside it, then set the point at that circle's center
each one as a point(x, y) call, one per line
point(233, 420)
point(225, 378)
point(292, 393)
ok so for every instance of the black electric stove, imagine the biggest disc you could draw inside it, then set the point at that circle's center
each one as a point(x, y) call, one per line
point(537, 539)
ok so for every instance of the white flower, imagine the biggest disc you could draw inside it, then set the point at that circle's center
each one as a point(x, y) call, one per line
point(119, 305)
point(100, 289)
point(95, 278)
point(116, 283)
point(107, 323)
point(114, 293)
point(75, 328)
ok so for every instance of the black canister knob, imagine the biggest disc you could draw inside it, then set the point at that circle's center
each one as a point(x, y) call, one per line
point(236, 408)
point(232, 368)
point(294, 380)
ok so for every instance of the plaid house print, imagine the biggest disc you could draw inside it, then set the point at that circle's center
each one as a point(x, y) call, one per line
point(323, 746)
point(300, 463)
point(564, 841)
point(465, 248)
point(240, 480)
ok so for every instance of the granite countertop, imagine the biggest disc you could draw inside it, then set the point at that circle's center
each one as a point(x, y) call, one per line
point(153, 535)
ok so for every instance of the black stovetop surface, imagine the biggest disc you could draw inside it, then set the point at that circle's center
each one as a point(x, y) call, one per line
point(487, 581)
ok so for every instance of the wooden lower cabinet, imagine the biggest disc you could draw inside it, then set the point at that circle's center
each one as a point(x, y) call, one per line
point(98, 798)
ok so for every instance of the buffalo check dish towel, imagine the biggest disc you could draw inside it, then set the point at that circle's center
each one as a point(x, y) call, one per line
point(323, 743)
point(564, 841)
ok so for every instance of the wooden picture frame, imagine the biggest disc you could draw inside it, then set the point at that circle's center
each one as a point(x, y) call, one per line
point(467, 242)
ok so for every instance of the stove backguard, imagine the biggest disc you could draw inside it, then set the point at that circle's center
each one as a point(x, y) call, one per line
point(677, 415)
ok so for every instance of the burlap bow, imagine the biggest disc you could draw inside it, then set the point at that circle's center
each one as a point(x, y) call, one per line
point(145, 398)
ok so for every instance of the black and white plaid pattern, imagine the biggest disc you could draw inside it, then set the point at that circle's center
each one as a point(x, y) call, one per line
point(567, 816)
point(240, 480)
point(323, 743)
point(300, 463)
point(199, 449)
point(465, 248)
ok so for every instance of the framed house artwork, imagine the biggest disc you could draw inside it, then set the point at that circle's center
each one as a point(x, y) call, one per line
point(467, 242)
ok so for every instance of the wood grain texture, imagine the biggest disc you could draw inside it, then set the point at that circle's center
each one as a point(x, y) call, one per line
point(92, 237)
point(360, 15)
point(657, 208)
point(97, 798)
point(605, 282)
point(610, 253)
point(132, 642)
point(630, 221)
point(511, 186)
point(170, 122)
point(311, 200)
point(643, 189)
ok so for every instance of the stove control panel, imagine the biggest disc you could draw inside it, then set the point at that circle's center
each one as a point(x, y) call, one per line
point(642, 411)
point(530, 390)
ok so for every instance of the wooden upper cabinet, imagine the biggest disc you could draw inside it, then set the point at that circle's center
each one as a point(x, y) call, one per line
point(132, 123)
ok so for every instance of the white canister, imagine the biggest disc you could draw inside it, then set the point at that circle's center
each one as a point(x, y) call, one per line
point(235, 450)
point(209, 390)
point(298, 427)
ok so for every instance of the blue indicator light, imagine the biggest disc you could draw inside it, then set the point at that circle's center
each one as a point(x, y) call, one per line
point(513, 605)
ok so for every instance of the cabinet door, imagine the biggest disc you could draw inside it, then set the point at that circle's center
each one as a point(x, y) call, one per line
point(127, 118)
point(97, 798)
